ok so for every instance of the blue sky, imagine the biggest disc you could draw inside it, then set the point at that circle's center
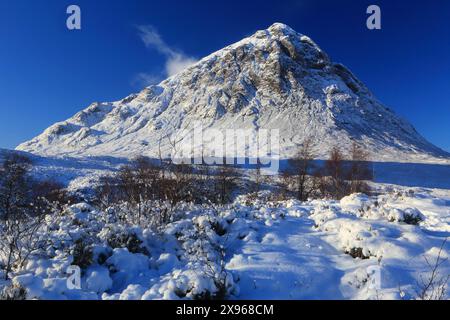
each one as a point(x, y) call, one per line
point(48, 73)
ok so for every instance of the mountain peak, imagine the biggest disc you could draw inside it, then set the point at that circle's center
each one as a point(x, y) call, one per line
point(274, 79)
point(279, 27)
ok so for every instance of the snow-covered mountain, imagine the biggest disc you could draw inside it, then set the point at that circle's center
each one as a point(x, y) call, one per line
point(274, 79)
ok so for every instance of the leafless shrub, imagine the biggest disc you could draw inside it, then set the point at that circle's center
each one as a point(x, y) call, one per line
point(359, 171)
point(82, 254)
point(107, 192)
point(320, 183)
point(285, 186)
point(13, 292)
point(18, 240)
point(14, 185)
point(226, 180)
point(303, 168)
point(216, 271)
point(146, 192)
point(336, 179)
point(212, 255)
point(255, 182)
point(21, 213)
point(49, 196)
point(127, 239)
point(335, 170)
point(433, 285)
point(357, 253)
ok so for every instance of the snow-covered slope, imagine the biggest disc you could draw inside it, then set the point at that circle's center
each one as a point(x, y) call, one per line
point(275, 79)
point(269, 250)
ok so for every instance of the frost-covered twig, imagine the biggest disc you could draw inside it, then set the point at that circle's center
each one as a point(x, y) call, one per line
point(434, 286)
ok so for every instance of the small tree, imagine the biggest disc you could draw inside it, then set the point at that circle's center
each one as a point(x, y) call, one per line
point(14, 185)
point(255, 182)
point(141, 188)
point(359, 170)
point(225, 183)
point(320, 182)
point(50, 195)
point(286, 180)
point(19, 239)
point(139, 182)
point(185, 185)
point(107, 193)
point(335, 170)
point(303, 166)
point(21, 213)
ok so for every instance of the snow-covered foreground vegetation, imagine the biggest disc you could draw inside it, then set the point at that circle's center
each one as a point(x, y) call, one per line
point(170, 231)
point(390, 246)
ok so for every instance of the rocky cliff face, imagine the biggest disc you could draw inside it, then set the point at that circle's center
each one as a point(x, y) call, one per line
point(275, 79)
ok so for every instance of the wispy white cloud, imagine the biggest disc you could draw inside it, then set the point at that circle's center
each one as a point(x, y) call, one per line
point(176, 61)
point(144, 79)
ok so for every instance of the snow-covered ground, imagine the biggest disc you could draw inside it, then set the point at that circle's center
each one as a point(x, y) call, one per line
point(357, 248)
point(380, 247)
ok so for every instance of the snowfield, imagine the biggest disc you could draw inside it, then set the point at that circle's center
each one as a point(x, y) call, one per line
point(380, 247)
